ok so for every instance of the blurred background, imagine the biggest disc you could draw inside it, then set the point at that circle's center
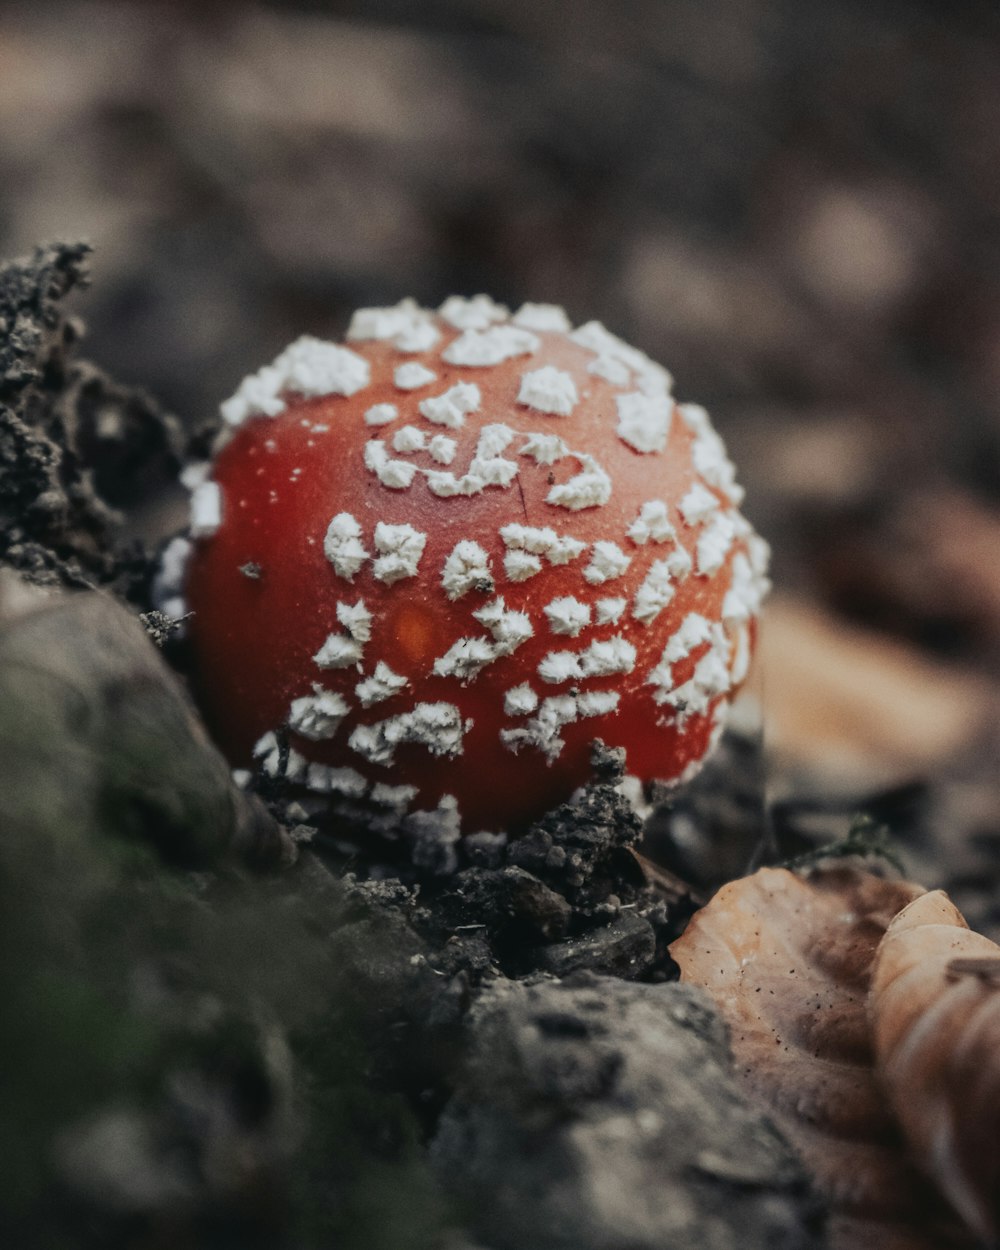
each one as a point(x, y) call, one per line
point(793, 204)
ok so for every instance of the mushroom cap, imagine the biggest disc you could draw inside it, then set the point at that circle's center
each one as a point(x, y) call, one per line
point(451, 554)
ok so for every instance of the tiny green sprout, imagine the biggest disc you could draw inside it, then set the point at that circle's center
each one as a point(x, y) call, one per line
point(866, 837)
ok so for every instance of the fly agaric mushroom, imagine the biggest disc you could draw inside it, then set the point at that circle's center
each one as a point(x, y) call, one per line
point(448, 556)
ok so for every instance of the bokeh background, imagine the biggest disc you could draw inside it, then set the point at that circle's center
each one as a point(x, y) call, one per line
point(794, 204)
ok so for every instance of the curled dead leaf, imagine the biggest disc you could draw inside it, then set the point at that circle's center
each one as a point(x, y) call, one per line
point(787, 961)
point(935, 1012)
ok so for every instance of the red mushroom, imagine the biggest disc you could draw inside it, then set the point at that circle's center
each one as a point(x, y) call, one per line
point(449, 555)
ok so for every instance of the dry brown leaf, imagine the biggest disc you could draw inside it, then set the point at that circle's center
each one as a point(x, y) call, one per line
point(935, 1011)
point(787, 961)
point(844, 699)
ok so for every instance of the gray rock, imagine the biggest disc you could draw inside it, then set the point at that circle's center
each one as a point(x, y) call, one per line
point(99, 738)
point(598, 1114)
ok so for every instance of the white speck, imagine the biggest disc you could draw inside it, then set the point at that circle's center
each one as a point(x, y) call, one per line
point(468, 656)
point(714, 543)
point(319, 428)
point(590, 488)
point(493, 439)
point(382, 684)
point(509, 628)
point(746, 591)
point(548, 390)
point(708, 452)
point(451, 407)
point(652, 523)
point(307, 367)
point(607, 562)
point(467, 567)
point(368, 741)
point(606, 656)
point(172, 573)
point(174, 605)
point(477, 313)
point(520, 700)
point(559, 666)
point(678, 562)
point(317, 716)
point(325, 779)
point(411, 376)
point(257, 395)
point(711, 673)
point(442, 448)
point(206, 509)
point(264, 744)
point(193, 474)
point(419, 338)
point(444, 485)
point(356, 619)
point(695, 417)
point(495, 471)
point(479, 348)
point(611, 370)
point(395, 474)
point(380, 414)
point(652, 378)
point(544, 448)
point(694, 630)
point(542, 317)
point(529, 537)
point(760, 555)
point(339, 651)
point(408, 438)
point(555, 712)
point(567, 615)
point(610, 610)
point(520, 565)
point(710, 679)
point(542, 731)
point(465, 658)
point(437, 726)
point(343, 547)
point(267, 751)
point(698, 504)
point(644, 420)
point(406, 325)
point(654, 594)
point(398, 797)
point(597, 702)
point(565, 549)
point(400, 548)
point(538, 540)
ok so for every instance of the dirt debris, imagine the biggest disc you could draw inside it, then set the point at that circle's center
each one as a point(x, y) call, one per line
point(75, 447)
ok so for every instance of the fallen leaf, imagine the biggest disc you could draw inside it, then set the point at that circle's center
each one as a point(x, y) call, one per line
point(847, 700)
point(935, 1012)
point(787, 961)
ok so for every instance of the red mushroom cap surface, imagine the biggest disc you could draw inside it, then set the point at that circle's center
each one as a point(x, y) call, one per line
point(449, 555)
